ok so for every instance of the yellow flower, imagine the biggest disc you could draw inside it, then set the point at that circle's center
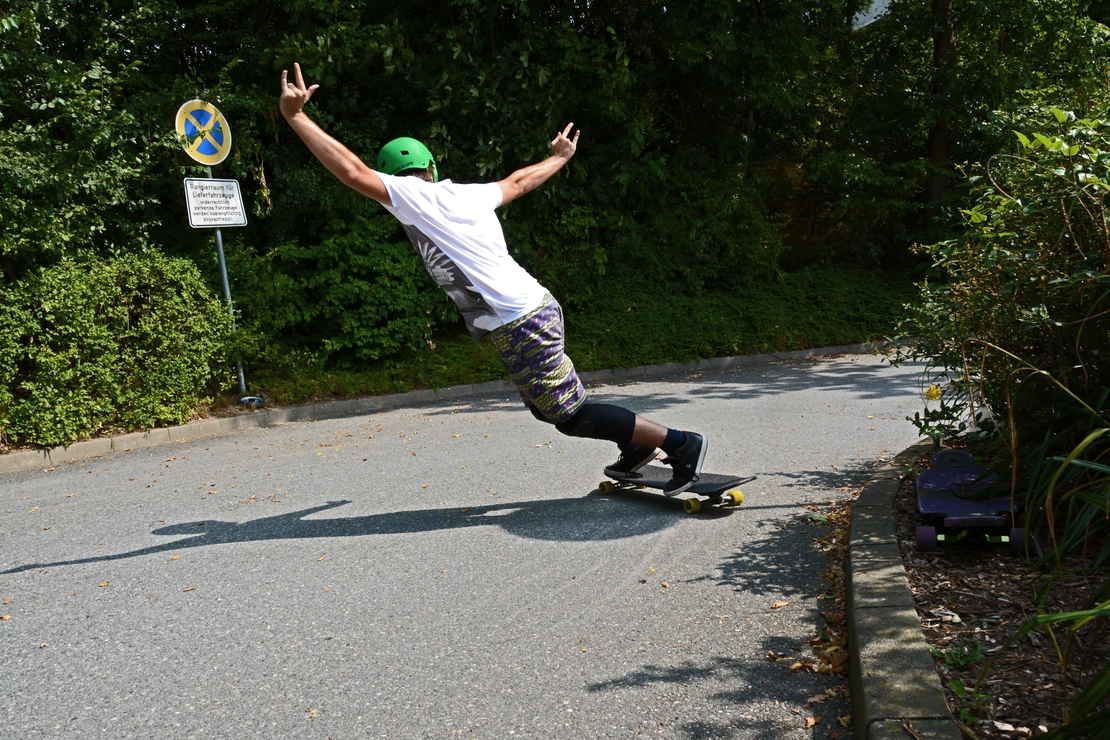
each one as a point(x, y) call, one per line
point(933, 393)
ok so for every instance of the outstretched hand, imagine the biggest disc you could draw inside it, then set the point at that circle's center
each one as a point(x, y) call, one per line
point(563, 147)
point(294, 96)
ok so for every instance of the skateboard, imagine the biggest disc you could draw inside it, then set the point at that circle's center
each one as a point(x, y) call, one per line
point(953, 496)
point(716, 490)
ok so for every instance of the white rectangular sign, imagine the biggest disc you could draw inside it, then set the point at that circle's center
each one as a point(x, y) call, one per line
point(214, 203)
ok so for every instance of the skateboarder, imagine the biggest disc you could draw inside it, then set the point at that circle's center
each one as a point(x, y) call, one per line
point(455, 231)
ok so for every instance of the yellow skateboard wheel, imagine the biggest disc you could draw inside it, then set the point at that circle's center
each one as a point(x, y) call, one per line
point(734, 498)
point(606, 487)
point(691, 506)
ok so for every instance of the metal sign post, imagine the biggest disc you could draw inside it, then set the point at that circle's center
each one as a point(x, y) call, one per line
point(213, 203)
point(227, 296)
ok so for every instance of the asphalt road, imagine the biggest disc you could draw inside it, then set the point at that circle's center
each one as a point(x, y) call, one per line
point(442, 571)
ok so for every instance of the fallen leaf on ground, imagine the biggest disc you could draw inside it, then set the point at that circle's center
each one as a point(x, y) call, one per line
point(812, 721)
point(779, 604)
point(175, 557)
point(189, 589)
point(815, 700)
point(106, 583)
point(319, 559)
point(845, 721)
point(666, 585)
point(5, 617)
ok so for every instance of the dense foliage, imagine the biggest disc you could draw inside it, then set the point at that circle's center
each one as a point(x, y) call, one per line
point(130, 343)
point(722, 142)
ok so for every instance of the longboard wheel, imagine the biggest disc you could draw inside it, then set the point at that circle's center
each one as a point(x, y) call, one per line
point(926, 539)
point(691, 506)
point(734, 498)
point(606, 487)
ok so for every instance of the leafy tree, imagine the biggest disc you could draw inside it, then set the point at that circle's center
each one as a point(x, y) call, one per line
point(722, 141)
point(74, 162)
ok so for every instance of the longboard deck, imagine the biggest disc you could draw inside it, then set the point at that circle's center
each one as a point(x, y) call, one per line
point(657, 476)
point(716, 488)
point(944, 503)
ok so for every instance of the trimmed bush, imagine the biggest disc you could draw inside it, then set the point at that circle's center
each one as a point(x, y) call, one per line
point(125, 344)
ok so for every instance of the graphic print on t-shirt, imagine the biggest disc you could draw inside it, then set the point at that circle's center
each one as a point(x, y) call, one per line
point(479, 316)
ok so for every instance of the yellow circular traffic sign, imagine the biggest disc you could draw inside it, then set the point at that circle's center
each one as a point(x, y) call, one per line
point(205, 130)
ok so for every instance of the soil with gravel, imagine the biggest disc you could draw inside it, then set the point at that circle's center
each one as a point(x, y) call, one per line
point(972, 597)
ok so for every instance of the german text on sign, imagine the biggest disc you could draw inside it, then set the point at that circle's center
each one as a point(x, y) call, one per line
point(214, 203)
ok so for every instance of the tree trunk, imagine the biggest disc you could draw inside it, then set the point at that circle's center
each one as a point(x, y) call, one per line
point(944, 69)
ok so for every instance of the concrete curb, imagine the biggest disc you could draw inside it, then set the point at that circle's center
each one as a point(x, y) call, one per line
point(101, 446)
point(893, 676)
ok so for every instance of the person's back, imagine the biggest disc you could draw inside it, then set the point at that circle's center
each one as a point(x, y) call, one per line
point(458, 236)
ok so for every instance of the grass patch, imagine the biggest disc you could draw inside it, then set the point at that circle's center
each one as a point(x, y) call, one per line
point(807, 309)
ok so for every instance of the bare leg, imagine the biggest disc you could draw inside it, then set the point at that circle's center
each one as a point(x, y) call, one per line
point(647, 432)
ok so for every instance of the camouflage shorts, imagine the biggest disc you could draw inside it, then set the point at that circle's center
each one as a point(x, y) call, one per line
point(532, 350)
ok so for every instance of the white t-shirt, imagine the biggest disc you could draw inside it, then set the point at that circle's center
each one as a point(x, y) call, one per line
point(455, 231)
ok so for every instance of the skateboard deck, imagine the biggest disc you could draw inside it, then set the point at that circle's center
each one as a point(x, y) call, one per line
point(716, 490)
point(952, 494)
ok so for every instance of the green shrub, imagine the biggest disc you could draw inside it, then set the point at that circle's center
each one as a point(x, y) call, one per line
point(359, 295)
point(1028, 286)
point(1020, 333)
point(125, 344)
point(1020, 338)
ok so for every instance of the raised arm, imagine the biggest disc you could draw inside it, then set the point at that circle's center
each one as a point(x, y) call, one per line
point(338, 159)
point(531, 177)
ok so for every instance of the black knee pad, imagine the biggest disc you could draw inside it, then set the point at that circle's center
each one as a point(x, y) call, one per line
point(579, 425)
point(600, 421)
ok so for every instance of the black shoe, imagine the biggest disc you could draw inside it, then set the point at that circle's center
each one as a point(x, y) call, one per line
point(630, 461)
point(686, 462)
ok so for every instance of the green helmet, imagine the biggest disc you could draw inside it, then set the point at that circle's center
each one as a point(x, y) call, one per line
point(406, 154)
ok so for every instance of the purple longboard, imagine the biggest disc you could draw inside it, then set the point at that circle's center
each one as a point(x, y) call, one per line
point(952, 492)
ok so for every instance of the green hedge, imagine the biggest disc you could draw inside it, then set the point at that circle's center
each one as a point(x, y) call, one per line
point(129, 343)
